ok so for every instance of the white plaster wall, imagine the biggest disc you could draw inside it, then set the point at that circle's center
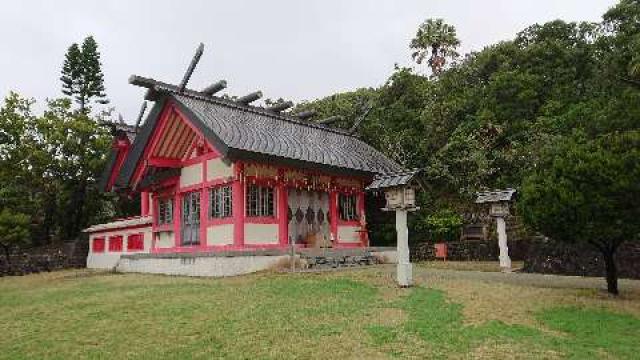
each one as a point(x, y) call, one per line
point(220, 234)
point(260, 234)
point(200, 266)
point(165, 239)
point(109, 259)
point(191, 175)
point(348, 234)
point(105, 260)
point(219, 168)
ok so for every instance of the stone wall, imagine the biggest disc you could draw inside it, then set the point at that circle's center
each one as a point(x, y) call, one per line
point(553, 257)
point(470, 250)
point(71, 254)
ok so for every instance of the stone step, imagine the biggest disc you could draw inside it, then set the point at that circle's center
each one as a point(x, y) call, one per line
point(338, 261)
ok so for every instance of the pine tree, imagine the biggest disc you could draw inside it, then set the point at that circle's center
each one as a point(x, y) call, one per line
point(71, 70)
point(82, 76)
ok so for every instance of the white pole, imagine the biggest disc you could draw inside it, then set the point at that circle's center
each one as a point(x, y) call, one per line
point(404, 265)
point(505, 261)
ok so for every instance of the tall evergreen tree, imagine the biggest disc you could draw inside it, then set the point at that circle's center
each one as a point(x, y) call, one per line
point(82, 76)
point(71, 70)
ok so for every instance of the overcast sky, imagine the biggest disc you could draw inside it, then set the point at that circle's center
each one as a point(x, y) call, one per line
point(292, 49)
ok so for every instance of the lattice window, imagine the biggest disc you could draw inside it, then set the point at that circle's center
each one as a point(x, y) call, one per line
point(347, 207)
point(191, 218)
point(220, 202)
point(260, 201)
point(165, 211)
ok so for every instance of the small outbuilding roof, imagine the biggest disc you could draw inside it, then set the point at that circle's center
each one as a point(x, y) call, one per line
point(495, 196)
point(120, 224)
point(389, 180)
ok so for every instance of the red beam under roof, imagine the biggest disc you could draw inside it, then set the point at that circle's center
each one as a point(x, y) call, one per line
point(164, 162)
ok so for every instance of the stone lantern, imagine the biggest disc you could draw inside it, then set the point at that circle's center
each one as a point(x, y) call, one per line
point(400, 197)
point(499, 202)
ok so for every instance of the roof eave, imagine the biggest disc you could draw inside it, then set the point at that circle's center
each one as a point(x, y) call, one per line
point(246, 155)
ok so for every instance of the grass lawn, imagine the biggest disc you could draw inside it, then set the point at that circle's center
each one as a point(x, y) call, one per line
point(350, 314)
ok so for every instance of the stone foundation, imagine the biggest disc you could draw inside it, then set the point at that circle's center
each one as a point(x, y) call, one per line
point(225, 263)
point(214, 266)
point(470, 250)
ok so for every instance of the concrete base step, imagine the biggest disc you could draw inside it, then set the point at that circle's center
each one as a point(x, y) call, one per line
point(338, 261)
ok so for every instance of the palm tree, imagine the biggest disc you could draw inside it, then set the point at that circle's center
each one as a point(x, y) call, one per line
point(437, 38)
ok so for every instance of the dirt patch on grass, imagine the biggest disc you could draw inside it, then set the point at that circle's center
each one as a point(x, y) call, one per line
point(516, 303)
point(509, 351)
point(484, 266)
point(388, 317)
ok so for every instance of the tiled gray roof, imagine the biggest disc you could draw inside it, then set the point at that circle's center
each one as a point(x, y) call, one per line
point(241, 131)
point(137, 149)
point(495, 196)
point(241, 128)
point(392, 180)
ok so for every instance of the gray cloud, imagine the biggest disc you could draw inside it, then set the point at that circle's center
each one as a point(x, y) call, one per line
point(292, 49)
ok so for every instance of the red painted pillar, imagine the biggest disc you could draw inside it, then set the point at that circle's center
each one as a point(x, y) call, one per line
point(364, 238)
point(177, 219)
point(238, 207)
point(333, 215)
point(204, 207)
point(283, 214)
point(144, 203)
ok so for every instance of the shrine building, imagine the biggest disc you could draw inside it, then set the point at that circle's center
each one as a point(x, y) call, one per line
point(229, 188)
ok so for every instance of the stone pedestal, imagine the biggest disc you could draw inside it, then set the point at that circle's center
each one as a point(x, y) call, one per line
point(404, 270)
point(505, 260)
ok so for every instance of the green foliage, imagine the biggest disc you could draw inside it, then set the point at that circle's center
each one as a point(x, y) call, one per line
point(49, 166)
point(82, 76)
point(587, 190)
point(71, 70)
point(443, 225)
point(485, 121)
point(14, 230)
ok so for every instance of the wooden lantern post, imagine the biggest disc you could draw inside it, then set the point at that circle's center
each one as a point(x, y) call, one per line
point(400, 197)
point(499, 201)
point(402, 201)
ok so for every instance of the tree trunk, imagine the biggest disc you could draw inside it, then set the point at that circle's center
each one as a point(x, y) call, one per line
point(77, 214)
point(7, 253)
point(612, 271)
